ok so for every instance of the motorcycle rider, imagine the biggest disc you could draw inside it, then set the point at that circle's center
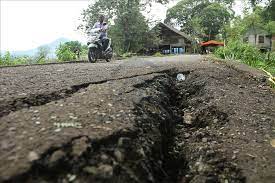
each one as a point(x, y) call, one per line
point(103, 31)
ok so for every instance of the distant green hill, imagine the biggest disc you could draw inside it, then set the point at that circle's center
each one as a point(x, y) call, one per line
point(53, 45)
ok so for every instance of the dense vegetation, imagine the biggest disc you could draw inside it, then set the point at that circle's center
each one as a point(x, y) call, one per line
point(260, 18)
point(40, 57)
point(217, 21)
point(72, 50)
point(213, 16)
point(250, 55)
point(67, 51)
point(129, 28)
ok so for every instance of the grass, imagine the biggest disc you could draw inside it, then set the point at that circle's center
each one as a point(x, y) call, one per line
point(250, 55)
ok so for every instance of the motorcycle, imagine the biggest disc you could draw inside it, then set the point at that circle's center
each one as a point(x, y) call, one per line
point(96, 48)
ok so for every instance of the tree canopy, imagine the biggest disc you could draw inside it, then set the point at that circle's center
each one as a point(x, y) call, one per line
point(42, 54)
point(129, 29)
point(213, 15)
point(69, 51)
point(205, 19)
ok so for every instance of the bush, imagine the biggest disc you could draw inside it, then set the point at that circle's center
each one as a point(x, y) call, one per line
point(71, 51)
point(248, 54)
point(128, 55)
point(237, 50)
point(9, 60)
point(64, 53)
point(158, 54)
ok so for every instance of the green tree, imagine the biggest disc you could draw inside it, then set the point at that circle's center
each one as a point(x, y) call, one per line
point(258, 19)
point(183, 14)
point(75, 47)
point(70, 51)
point(254, 3)
point(270, 27)
point(110, 8)
point(7, 58)
point(235, 29)
point(253, 21)
point(64, 53)
point(42, 54)
point(269, 11)
point(129, 29)
point(213, 16)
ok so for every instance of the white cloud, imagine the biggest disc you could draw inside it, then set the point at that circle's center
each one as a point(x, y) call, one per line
point(158, 11)
point(28, 24)
point(239, 6)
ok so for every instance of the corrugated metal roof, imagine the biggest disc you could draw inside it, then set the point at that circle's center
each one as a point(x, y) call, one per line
point(176, 31)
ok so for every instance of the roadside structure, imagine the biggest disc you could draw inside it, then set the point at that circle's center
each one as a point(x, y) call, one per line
point(260, 38)
point(171, 40)
point(209, 46)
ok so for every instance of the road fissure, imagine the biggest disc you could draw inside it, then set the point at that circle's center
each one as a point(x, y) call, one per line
point(8, 106)
point(155, 150)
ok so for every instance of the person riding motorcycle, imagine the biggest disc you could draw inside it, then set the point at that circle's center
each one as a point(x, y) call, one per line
point(103, 31)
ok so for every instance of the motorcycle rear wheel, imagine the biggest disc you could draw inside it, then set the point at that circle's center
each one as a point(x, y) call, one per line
point(110, 55)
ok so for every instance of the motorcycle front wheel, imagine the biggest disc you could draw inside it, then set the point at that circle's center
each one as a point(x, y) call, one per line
point(109, 55)
point(91, 56)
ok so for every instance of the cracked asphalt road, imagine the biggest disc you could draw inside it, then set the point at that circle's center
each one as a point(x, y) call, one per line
point(39, 94)
point(16, 82)
point(27, 82)
point(43, 108)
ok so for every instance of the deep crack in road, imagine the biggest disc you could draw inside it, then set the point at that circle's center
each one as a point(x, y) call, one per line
point(132, 121)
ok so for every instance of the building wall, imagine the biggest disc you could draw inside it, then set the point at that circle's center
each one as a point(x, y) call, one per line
point(171, 41)
point(266, 44)
point(176, 42)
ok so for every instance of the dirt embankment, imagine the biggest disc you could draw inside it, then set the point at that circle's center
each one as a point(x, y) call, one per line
point(216, 126)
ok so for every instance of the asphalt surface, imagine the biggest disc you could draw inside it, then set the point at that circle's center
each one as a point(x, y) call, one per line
point(17, 82)
point(34, 98)
point(44, 109)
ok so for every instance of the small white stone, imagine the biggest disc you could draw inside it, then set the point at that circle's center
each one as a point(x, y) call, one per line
point(71, 178)
point(204, 140)
point(188, 118)
point(33, 156)
point(57, 130)
point(73, 117)
point(53, 117)
point(119, 156)
point(42, 129)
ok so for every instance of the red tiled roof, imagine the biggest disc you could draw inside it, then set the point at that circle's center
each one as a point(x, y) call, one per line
point(212, 43)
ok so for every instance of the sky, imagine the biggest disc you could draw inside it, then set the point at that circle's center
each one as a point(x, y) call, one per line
point(27, 24)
